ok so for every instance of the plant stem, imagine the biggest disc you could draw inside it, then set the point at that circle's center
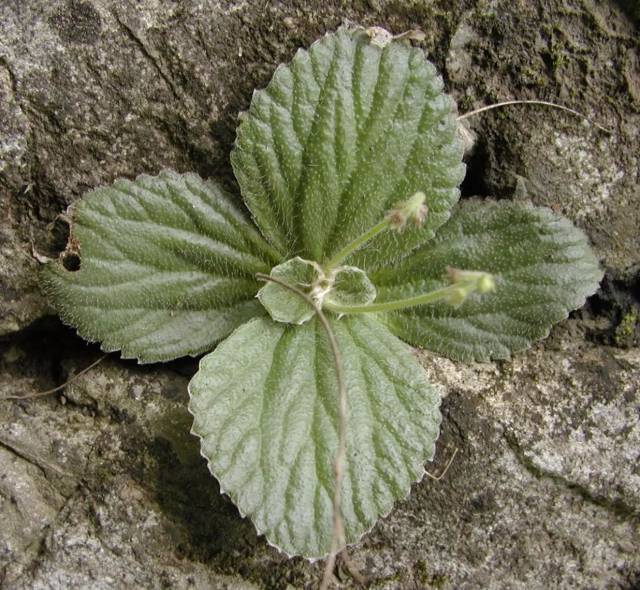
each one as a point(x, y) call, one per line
point(413, 209)
point(337, 536)
point(430, 297)
point(356, 244)
point(534, 102)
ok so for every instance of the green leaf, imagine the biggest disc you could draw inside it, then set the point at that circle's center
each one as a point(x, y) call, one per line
point(167, 267)
point(345, 285)
point(351, 286)
point(341, 135)
point(543, 268)
point(283, 304)
point(265, 406)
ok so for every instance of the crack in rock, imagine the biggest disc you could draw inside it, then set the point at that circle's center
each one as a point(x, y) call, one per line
point(618, 507)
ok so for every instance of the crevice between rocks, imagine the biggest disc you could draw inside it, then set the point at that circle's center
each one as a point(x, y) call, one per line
point(43, 467)
point(12, 77)
point(41, 540)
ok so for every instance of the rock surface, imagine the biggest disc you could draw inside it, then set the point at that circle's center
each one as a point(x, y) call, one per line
point(101, 486)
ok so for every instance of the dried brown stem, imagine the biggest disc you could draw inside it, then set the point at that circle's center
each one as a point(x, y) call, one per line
point(337, 537)
point(534, 102)
point(446, 467)
point(59, 387)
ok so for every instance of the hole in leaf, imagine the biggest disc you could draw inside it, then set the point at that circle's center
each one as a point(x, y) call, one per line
point(71, 261)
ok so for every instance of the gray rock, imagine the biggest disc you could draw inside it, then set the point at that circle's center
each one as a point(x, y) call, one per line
point(544, 490)
point(20, 300)
point(94, 491)
point(549, 156)
point(93, 90)
point(103, 487)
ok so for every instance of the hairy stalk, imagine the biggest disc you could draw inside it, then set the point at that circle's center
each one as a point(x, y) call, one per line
point(413, 210)
point(360, 241)
point(453, 294)
point(431, 297)
point(337, 537)
point(534, 102)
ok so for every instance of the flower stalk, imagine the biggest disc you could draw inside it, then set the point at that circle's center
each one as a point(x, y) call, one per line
point(463, 284)
point(413, 210)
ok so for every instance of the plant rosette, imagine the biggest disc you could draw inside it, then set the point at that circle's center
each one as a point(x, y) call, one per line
point(349, 163)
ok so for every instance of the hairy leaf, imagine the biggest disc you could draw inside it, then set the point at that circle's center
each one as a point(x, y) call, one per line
point(283, 304)
point(543, 267)
point(265, 402)
point(345, 285)
point(167, 267)
point(351, 286)
point(342, 134)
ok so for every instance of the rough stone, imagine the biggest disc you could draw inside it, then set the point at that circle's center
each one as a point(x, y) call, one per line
point(548, 156)
point(533, 489)
point(101, 486)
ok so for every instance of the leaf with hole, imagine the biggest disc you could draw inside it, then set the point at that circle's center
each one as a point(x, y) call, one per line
point(167, 267)
point(349, 163)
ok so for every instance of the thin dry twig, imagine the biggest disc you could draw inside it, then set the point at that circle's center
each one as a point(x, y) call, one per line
point(446, 468)
point(534, 102)
point(59, 387)
point(337, 537)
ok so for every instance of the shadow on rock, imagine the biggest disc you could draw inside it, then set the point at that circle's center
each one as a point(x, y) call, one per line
point(190, 496)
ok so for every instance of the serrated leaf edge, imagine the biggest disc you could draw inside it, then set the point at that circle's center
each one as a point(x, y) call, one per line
point(48, 289)
point(439, 390)
point(353, 30)
point(124, 355)
point(387, 319)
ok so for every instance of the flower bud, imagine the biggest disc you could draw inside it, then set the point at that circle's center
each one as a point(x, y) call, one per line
point(486, 283)
point(412, 210)
point(457, 296)
point(467, 282)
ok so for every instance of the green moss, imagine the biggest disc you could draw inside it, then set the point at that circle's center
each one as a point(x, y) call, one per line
point(384, 581)
point(532, 77)
point(558, 61)
point(427, 579)
point(625, 331)
point(465, 104)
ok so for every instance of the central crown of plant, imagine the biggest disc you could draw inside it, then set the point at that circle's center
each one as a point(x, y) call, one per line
point(349, 163)
point(347, 289)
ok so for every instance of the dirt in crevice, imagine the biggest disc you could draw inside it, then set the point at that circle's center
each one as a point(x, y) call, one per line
point(36, 353)
point(615, 309)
